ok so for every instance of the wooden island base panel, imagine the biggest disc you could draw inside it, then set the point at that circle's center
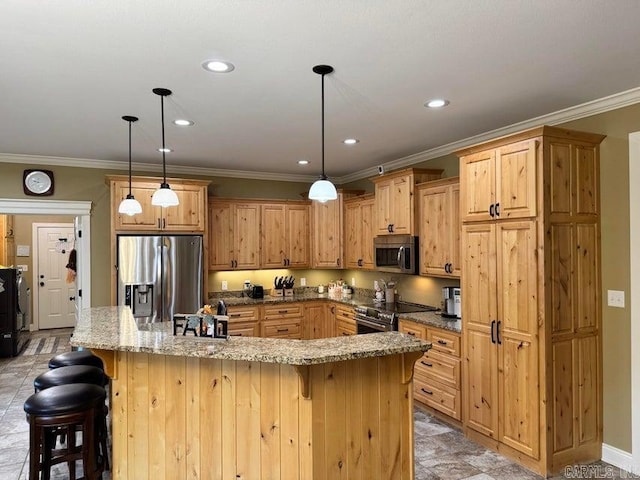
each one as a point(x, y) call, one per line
point(252, 408)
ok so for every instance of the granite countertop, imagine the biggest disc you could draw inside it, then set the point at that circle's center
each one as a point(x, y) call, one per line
point(114, 328)
point(433, 319)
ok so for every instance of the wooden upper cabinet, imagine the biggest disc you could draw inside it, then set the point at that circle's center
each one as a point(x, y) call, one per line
point(188, 216)
point(395, 200)
point(285, 235)
point(439, 232)
point(234, 235)
point(327, 234)
point(359, 232)
point(500, 183)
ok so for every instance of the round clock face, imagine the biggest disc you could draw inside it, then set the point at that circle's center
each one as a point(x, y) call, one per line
point(38, 182)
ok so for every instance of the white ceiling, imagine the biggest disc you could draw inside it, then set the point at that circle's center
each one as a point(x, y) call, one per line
point(70, 69)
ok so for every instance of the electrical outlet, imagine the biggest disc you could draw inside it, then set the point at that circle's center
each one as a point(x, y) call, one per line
point(23, 268)
point(615, 298)
point(225, 285)
point(303, 282)
point(353, 281)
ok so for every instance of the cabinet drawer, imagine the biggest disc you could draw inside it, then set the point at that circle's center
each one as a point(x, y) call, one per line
point(444, 341)
point(440, 397)
point(248, 329)
point(242, 314)
point(439, 367)
point(345, 313)
point(412, 328)
point(282, 329)
point(283, 310)
point(345, 328)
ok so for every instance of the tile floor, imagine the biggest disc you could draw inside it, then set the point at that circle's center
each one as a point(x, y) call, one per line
point(441, 452)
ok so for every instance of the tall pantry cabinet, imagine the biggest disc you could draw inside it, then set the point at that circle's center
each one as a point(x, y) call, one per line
point(531, 308)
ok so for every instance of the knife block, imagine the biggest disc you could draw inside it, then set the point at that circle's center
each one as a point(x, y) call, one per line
point(288, 292)
point(277, 292)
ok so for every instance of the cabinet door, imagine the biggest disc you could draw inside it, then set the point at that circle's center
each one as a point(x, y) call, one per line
point(477, 174)
point(455, 228)
point(299, 254)
point(383, 207)
point(221, 245)
point(314, 321)
point(435, 230)
point(327, 234)
point(352, 235)
point(479, 311)
point(188, 215)
point(149, 219)
point(517, 336)
point(516, 180)
point(273, 236)
point(367, 233)
point(401, 205)
point(246, 236)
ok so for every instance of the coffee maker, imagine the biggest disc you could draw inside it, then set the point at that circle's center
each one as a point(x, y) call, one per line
point(451, 306)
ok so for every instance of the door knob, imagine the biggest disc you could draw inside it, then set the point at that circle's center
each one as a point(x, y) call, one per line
point(72, 299)
point(42, 284)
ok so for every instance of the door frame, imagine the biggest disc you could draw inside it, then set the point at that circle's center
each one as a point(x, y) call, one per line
point(634, 296)
point(35, 259)
point(82, 211)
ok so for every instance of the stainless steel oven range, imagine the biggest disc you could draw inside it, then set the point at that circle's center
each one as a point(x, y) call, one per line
point(383, 317)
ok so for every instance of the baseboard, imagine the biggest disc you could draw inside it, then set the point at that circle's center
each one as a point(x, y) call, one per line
point(617, 458)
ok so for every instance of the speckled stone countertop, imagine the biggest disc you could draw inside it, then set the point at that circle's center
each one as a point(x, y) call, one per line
point(114, 328)
point(433, 319)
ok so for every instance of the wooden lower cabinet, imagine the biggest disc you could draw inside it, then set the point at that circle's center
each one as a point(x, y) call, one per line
point(318, 320)
point(244, 320)
point(178, 417)
point(345, 320)
point(436, 381)
point(282, 320)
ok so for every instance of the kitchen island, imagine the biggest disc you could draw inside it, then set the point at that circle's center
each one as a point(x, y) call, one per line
point(250, 408)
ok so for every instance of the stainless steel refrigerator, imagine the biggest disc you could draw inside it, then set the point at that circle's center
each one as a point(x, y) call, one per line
point(160, 275)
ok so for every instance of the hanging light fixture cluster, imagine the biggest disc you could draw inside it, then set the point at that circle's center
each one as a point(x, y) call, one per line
point(322, 189)
point(164, 196)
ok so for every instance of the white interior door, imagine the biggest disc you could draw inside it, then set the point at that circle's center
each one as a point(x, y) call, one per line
point(56, 307)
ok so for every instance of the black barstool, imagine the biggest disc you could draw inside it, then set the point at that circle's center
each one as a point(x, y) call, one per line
point(77, 374)
point(78, 357)
point(69, 407)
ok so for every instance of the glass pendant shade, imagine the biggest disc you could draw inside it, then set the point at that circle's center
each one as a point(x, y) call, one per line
point(164, 197)
point(130, 206)
point(322, 191)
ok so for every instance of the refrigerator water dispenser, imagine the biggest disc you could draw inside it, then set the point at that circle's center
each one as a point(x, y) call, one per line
point(140, 299)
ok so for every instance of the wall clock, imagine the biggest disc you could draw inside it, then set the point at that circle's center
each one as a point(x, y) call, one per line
point(38, 182)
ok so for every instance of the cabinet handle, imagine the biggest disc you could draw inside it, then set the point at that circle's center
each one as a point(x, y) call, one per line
point(428, 392)
point(235, 263)
point(288, 262)
point(234, 315)
point(491, 210)
point(282, 330)
point(498, 332)
point(493, 339)
point(411, 333)
point(442, 342)
point(389, 228)
point(338, 261)
point(164, 223)
point(158, 224)
point(283, 311)
point(359, 262)
point(426, 364)
point(497, 209)
point(235, 334)
point(345, 334)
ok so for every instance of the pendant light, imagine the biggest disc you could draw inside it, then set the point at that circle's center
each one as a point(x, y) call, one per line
point(164, 196)
point(323, 190)
point(130, 206)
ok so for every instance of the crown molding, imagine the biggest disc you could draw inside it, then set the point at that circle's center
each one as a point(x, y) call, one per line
point(42, 206)
point(594, 107)
point(150, 167)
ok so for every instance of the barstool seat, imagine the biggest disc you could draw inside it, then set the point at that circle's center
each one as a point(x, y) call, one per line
point(78, 357)
point(70, 374)
point(70, 407)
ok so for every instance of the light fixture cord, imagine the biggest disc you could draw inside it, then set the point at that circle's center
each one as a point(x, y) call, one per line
point(129, 157)
point(323, 175)
point(164, 168)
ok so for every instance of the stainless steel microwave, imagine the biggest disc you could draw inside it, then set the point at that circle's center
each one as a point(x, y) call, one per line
point(396, 253)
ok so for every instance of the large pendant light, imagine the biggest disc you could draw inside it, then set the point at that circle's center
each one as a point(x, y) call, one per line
point(130, 206)
point(322, 189)
point(164, 196)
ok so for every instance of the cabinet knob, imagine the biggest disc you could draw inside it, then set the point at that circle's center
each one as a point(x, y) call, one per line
point(492, 210)
point(497, 209)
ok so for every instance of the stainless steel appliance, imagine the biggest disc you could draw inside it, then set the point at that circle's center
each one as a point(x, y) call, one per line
point(451, 302)
point(14, 312)
point(160, 275)
point(396, 253)
point(384, 317)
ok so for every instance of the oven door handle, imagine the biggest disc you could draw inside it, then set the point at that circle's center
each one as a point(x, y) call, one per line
point(400, 257)
point(370, 324)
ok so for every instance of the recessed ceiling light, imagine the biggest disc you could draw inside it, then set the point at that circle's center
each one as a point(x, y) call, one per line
point(218, 66)
point(303, 162)
point(165, 150)
point(350, 141)
point(437, 103)
point(182, 122)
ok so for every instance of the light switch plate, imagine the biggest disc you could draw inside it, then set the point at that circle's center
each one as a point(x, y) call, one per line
point(615, 298)
point(303, 282)
point(225, 285)
point(22, 250)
